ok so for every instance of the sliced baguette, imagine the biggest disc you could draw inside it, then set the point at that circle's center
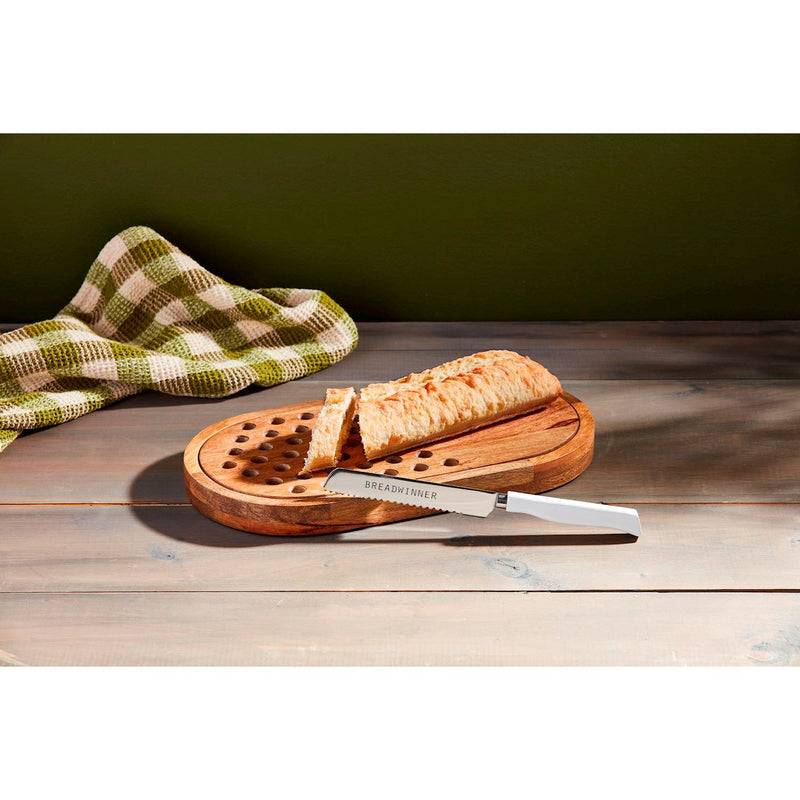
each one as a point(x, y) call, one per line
point(330, 430)
point(377, 391)
point(490, 387)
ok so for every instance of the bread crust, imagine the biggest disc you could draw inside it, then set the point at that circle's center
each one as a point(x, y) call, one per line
point(495, 385)
point(330, 430)
point(460, 366)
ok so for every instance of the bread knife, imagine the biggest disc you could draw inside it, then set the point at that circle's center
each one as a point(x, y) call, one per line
point(479, 503)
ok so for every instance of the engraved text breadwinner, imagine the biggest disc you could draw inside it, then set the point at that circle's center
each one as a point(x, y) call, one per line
point(397, 488)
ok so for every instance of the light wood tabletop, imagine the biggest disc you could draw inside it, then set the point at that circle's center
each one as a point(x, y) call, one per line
point(104, 562)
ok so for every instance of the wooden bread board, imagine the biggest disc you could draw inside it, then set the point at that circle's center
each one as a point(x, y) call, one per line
point(245, 471)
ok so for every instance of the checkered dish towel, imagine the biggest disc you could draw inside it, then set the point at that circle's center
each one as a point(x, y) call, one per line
point(149, 317)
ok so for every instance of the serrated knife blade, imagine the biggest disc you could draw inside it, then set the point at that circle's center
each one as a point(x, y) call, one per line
point(479, 503)
point(437, 496)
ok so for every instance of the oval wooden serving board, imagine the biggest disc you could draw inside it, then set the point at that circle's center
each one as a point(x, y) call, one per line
point(245, 471)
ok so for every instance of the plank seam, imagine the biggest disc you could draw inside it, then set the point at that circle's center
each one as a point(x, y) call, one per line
point(159, 504)
point(400, 591)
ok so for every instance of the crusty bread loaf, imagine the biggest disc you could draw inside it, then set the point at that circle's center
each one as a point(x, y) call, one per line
point(488, 387)
point(330, 430)
point(377, 391)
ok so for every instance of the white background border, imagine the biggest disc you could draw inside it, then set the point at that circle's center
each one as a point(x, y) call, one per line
point(410, 66)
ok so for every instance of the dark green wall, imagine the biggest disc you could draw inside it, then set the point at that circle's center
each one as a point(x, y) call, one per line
point(424, 227)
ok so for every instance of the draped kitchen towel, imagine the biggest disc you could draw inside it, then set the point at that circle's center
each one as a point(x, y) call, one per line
point(149, 317)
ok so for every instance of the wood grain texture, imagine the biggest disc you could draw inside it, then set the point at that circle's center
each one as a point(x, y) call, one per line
point(62, 549)
point(720, 441)
point(686, 413)
point(687, 362)
point(246, 471)
point(472, 628)
point(623, 334)
point(592, 350)
point(646, 350)
point(656, 441)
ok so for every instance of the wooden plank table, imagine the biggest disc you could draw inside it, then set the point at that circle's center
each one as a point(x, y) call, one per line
point(102, 561)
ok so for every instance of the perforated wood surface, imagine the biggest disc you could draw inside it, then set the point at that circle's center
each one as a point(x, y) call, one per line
point(246, 471)
point(264, 454)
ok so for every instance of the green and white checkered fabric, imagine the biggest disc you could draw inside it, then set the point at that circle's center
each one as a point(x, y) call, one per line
point(149, 317)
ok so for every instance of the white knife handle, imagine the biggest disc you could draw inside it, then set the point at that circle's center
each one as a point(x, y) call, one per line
point(575, 512)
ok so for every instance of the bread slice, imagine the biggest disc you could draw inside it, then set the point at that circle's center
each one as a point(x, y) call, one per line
point(331, 429)
point(451, 399)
